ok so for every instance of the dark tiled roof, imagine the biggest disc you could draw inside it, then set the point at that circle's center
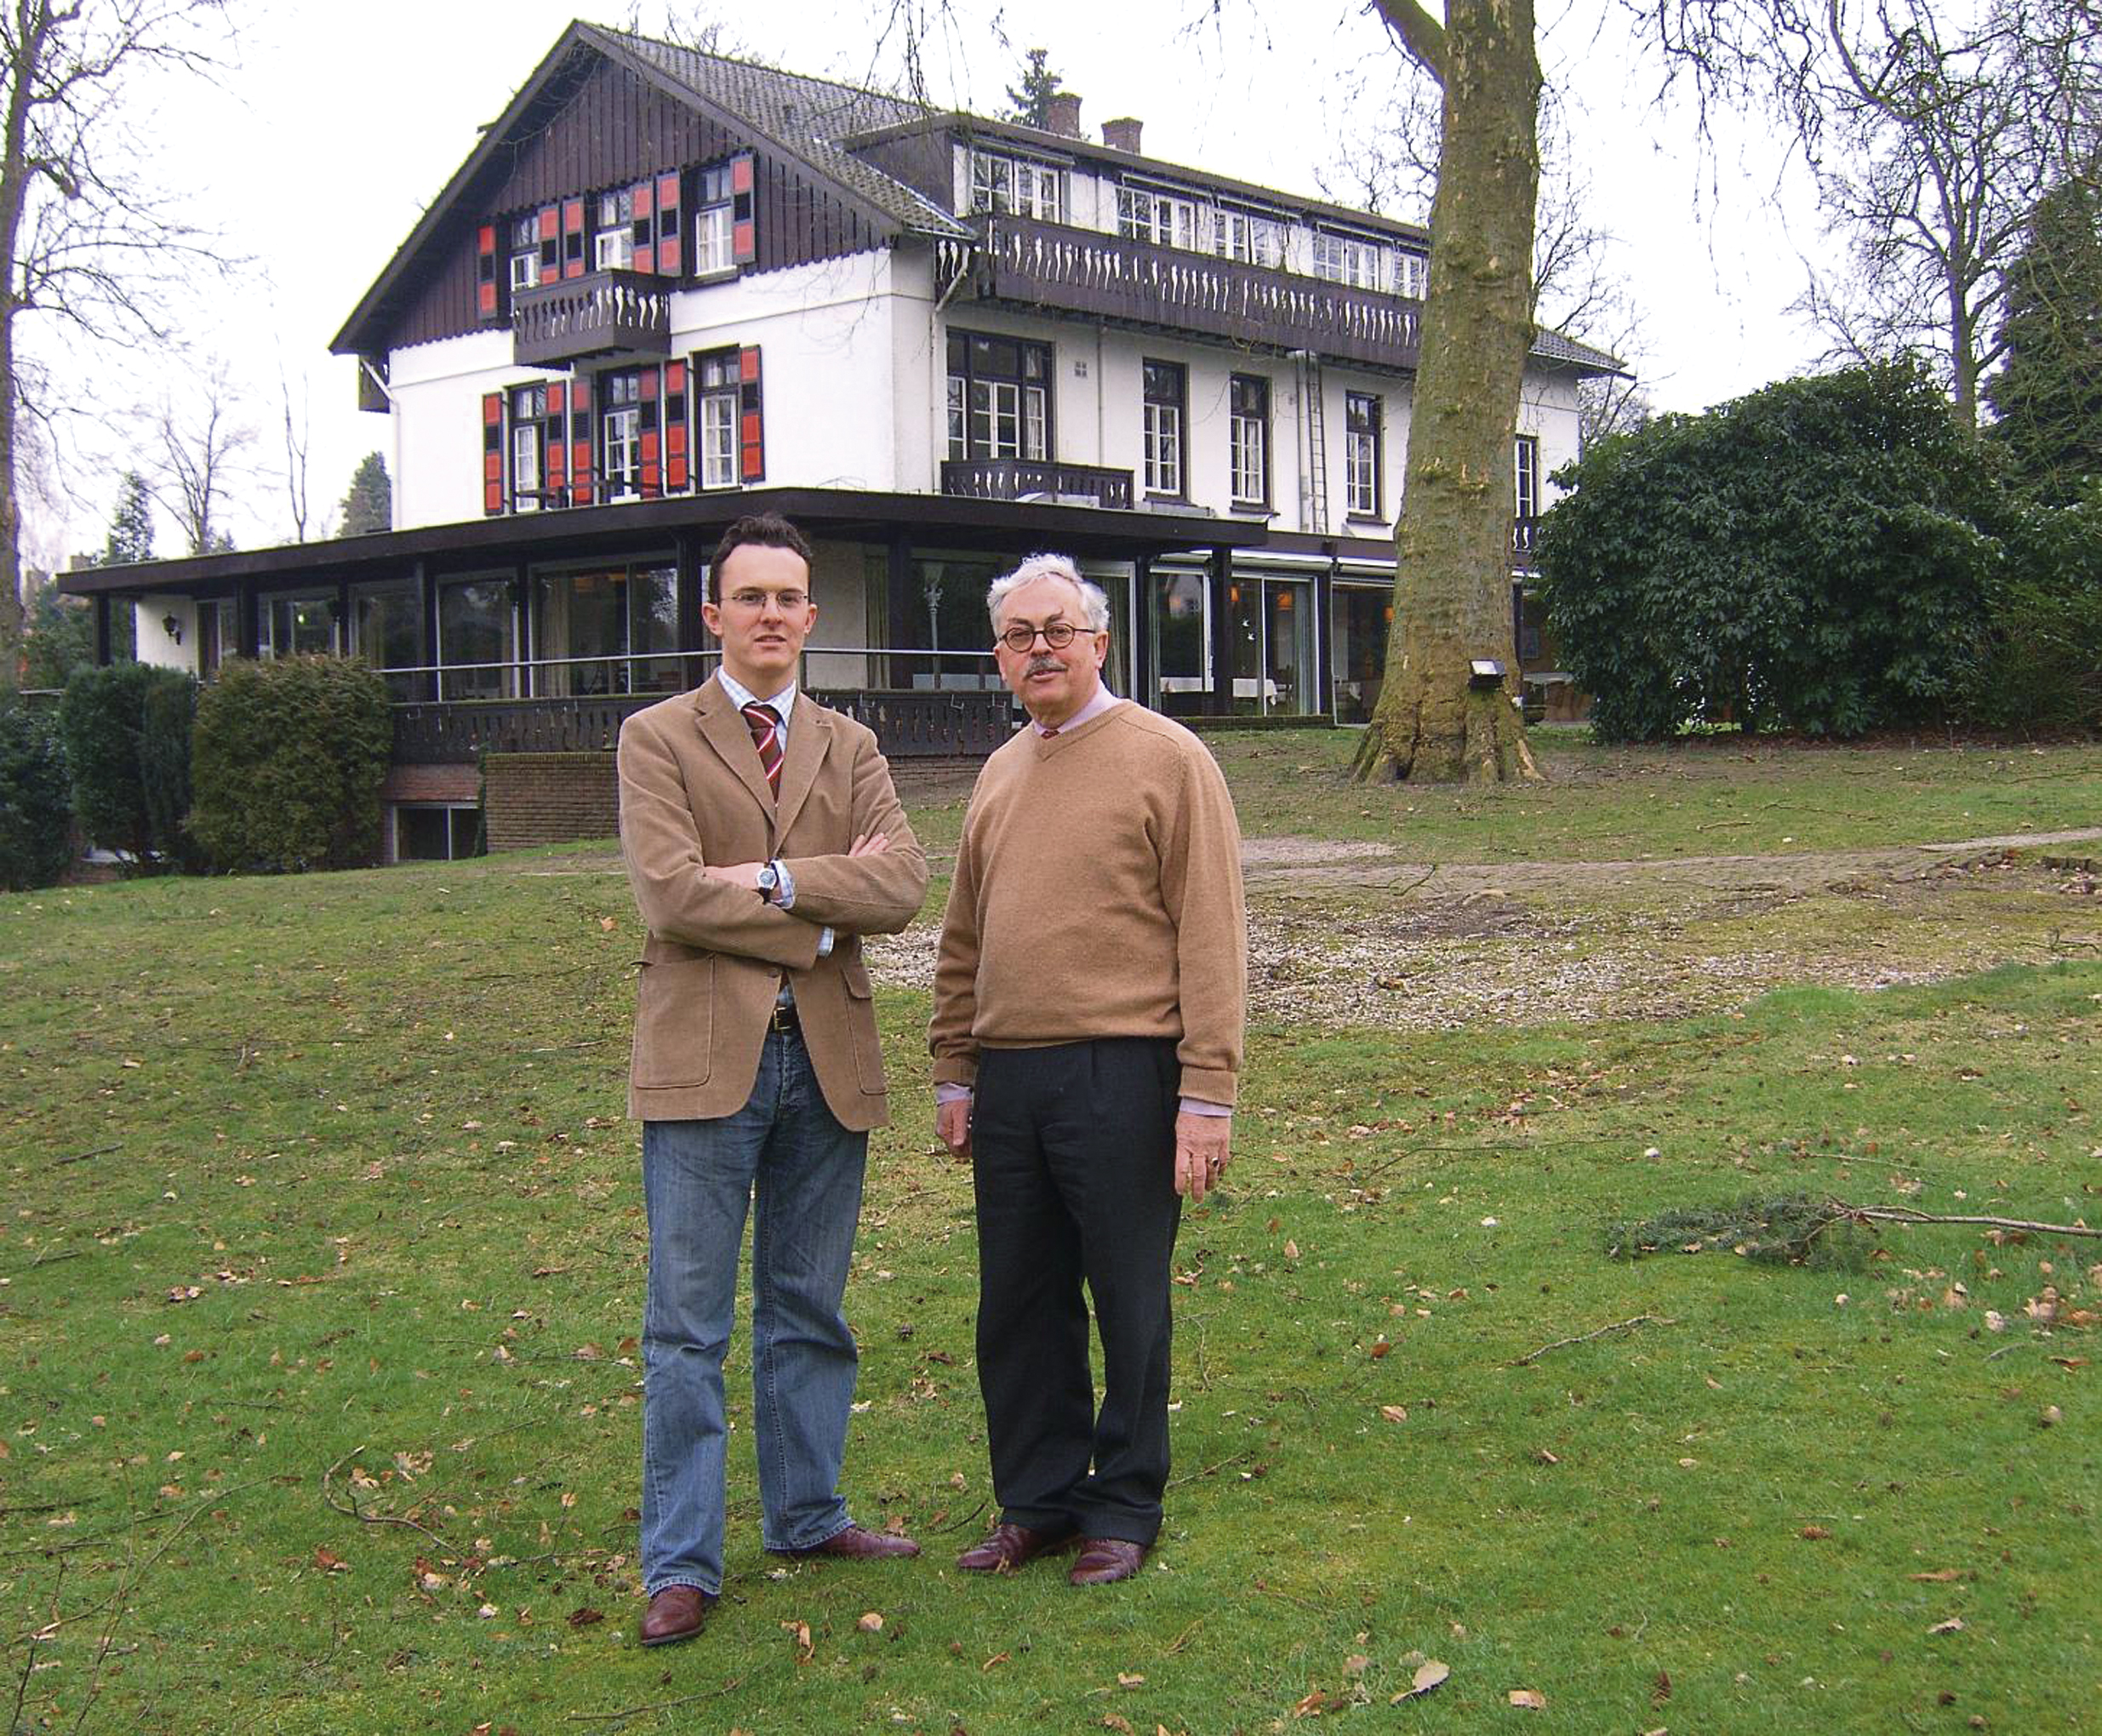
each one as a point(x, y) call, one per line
point(806, 116)
point(1556, 347)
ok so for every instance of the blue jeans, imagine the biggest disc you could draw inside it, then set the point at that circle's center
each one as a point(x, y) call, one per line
point(785, 1155)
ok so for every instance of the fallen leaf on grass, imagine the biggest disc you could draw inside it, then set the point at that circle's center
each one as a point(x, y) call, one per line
point(1531, 1698)
point(1130, 1679)
point(871, 1622)
point(585, 1616)
point(1953, 1625)
point(800, 1632)
point(1111, 1721)
point(1661, 1690)
point(1395, 1413)
point(996, 1658)
point(329, 1562)
point(1813, 1533)
point(1940, 1576)
point(1312, 1706)
point(1428, 1676)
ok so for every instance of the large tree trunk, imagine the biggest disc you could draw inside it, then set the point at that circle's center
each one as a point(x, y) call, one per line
point(1453, 542)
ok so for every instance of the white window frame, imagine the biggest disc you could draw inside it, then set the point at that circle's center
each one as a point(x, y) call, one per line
point(525, 270)
point(1412, 275)
point(1248, 454)
point(1166, 219)
point(1162, 426)
point(613, 250)
point(1018, 186)
point(1525, 465)
point(525, 466)
point(620, 437)
point(1346, 258)
point(715, 239)
point(1361, 459)
point(718, 428)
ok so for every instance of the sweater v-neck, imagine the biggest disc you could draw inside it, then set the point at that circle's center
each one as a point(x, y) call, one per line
point(1047, 744)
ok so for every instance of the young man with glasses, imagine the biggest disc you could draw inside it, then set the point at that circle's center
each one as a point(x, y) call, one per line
point(1088, 1003)
point(763, 840)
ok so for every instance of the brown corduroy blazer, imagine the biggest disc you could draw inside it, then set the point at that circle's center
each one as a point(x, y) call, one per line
point(691, 793)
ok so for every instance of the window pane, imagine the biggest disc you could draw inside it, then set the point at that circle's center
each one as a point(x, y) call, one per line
point(476, 627)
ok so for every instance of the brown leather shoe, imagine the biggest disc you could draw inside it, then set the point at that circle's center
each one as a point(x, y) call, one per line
point(858, 1544)
point(1008, 1547)
point(676, 1612)
point(1105, 1560)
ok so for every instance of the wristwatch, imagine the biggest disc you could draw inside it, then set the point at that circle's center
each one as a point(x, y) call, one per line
point(770, 881)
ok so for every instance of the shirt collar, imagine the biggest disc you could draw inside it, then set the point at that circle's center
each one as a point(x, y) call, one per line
point(781, 704)
point(1103, 699)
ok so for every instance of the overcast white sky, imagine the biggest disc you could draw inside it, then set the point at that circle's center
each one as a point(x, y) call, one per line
point(337, 124)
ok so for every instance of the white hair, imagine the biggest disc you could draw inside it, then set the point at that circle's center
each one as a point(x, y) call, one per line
point(1093, 599)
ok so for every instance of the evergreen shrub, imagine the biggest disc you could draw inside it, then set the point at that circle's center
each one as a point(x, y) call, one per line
point(289, 759)
point(36, 799)
point(126, 731)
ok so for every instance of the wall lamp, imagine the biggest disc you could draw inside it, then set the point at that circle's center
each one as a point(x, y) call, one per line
point(172, 625)
point(1485, 672)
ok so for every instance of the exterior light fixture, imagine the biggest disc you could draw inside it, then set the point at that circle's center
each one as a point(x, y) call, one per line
point(1485, 672)
point(172, 625)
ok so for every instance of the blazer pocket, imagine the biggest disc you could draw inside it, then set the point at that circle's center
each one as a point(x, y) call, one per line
point(868, 1044)
point(675, 1023)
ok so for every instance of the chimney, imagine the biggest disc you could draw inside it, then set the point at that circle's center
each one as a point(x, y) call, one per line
point(1121, 135)
point(1062, 115)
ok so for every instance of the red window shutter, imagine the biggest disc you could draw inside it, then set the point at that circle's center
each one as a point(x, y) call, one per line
point(674, 476)
point(580, 443)
point(641, 197)
point(485, 272)
point(492, 453)
point(557, 448)
point(551, 243)
point(670, 251)
point(572, 237)
point(649, 447)
point(744, 210)
point(750, 434)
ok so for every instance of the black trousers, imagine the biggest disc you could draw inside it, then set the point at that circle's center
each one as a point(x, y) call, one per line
point(1073, 1157)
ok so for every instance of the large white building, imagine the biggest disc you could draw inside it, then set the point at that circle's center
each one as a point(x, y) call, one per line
point(669, 287)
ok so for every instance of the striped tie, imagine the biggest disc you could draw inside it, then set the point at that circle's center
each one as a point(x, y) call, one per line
point(766, 736)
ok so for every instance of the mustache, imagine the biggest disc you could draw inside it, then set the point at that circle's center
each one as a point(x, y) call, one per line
point(1044, 665)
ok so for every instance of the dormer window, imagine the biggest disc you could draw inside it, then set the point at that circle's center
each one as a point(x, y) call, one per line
point(1018, 186)
point(1166, 220)
point(1242, 235)
point(1346, 258)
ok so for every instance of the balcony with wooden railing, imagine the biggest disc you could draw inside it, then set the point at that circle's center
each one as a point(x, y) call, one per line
point(1049, 267)
point(1037, 479)
point(600, 314)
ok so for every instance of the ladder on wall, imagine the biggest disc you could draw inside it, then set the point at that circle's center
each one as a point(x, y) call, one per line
point(1313, 445)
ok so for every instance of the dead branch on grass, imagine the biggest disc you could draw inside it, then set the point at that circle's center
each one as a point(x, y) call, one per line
point(684, 1699)
point(1584, 1338)
point(1905, 1214)
point(353, 1511)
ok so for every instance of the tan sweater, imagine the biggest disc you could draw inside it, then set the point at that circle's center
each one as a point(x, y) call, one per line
point(1097, 894)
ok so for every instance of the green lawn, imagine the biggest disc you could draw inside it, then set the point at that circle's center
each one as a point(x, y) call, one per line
point(323, 1254)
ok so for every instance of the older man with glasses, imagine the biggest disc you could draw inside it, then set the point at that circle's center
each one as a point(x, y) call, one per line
point(1089, 996)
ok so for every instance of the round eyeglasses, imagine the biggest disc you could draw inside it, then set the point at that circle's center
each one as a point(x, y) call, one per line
point(1058, 635)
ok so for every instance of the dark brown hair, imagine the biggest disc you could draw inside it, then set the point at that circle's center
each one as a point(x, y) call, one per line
point(765, 530)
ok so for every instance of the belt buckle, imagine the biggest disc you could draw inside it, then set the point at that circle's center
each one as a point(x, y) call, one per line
point(784, 1018)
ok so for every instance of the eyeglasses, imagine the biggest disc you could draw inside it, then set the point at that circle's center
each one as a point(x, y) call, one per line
point(1058, 635)
point(788, 602)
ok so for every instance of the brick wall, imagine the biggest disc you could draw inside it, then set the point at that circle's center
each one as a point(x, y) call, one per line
point(549, 798)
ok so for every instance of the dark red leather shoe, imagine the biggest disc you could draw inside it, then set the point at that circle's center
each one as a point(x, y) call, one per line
point(1008, 1547)
point(858, 1544)
point(1105, 1560)
point(676, 1612)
